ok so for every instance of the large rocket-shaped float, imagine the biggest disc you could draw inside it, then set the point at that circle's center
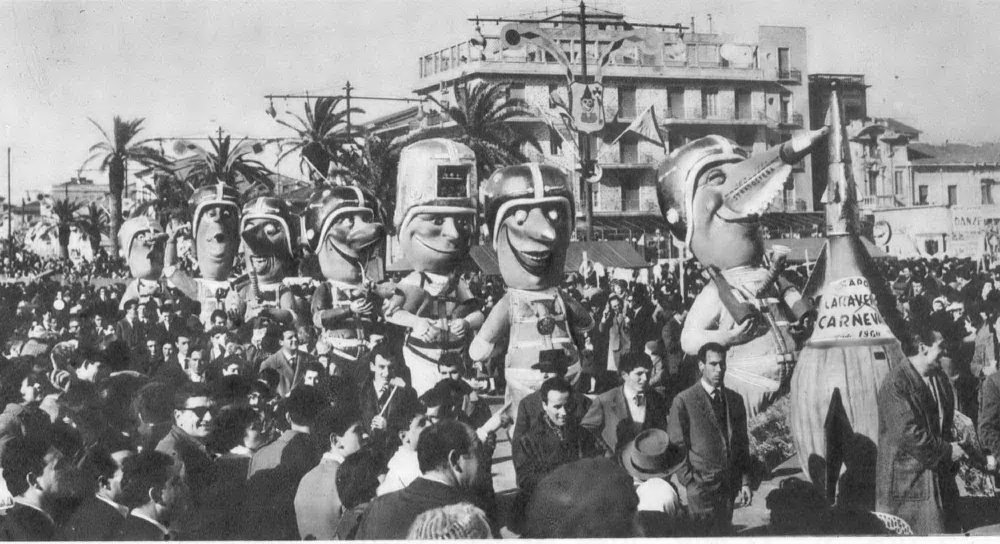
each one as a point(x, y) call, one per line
point(834, 408)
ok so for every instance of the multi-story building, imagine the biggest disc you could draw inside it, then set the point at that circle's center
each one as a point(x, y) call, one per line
point(696, 83)
point(82, 191)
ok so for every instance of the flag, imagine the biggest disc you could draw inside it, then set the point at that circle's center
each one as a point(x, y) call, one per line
point(645, 125)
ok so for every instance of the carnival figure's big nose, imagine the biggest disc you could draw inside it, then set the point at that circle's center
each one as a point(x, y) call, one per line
point(364, 233)
point(538, 227)
point(255, 237)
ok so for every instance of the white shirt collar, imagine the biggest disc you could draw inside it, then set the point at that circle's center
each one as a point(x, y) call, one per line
point(158, 525)
point(121, 508)
point(333, 456)
point(708, 387)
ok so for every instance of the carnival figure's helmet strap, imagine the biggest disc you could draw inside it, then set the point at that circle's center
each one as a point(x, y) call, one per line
point(275, 209)
point(329, 203)
point(218, 194)
point(435, 176)
point(525, 184)
point(678, 174)
point(132, 228)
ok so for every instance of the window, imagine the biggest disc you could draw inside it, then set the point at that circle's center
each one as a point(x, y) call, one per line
point(922, 195)
point(898, 182)
point(675, 103)
point(743, 104)
point(674, 140)
point(786, 102)
point(872, 183)
point(692, 54)
point(784, 69)
point(952, 195)
point(628, 150)
point(986, 187)
point(553, 87)
point(708, 55)
point(515, 91)
point(630, 194)
point(626, 102)
point(709, 103)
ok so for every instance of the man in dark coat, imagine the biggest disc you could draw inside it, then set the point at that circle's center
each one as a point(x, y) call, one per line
point(449, 462)
point(621, 413)
point(989, 418)
point(151, 483)
point(554, 439)
point(552, 364)
point(709, 422)
point(386, 403)
point(30, 469)
point(914, 472)
point(99, 516)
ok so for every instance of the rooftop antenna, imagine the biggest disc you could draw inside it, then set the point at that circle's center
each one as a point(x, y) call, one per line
point(692, 25)
point(709, 23)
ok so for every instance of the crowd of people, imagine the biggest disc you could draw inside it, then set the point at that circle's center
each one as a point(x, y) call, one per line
point(138, 421)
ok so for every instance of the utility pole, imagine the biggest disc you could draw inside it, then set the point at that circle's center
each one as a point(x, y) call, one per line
point(347, 97)
point(586, 168)
point(10, 212)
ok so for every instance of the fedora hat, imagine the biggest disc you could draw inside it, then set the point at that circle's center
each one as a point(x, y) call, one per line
point(651, 455)
point(552, 360)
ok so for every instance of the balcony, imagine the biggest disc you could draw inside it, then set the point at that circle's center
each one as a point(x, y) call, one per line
point(794, 120)
point(789, 75)
point(880, 202)
point(709, 118)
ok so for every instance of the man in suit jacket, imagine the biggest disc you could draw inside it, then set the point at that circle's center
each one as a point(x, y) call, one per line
point(288, 361)
point(914, 476)
point(621, 413)
point(129, 330)
point(449, 463)
point(385, 413)
point(709, 422)
point(151, 481)
point(616, 327)
point(529, 410)
point(99, 516)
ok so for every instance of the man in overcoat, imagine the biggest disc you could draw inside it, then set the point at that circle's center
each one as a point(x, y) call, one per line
point(914, 471)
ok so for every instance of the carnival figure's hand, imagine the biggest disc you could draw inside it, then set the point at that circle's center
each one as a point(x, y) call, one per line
point(378, 422)
point(746, 496)
point(957, 453)
point(424, 329)
point(174, 230)
point(362, 306)
point(991, 463)
point(740, 333)
point(458, 327)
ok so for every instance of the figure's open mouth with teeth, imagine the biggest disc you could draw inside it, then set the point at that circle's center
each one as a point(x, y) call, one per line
point(536, 262)
point(745, 200)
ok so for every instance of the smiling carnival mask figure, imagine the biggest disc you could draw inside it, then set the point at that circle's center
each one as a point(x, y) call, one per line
point(142, 242)
point(215, 221)
point(269, 230)
point(711, 195)
point(530, 214)
point(344, 228)
point(435, 222)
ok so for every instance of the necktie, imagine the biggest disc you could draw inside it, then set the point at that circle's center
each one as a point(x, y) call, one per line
point(719, 407)
point(640, 399)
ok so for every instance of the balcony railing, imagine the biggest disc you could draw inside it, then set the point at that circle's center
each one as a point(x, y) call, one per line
point(878, 202)
point(794, 119)
point(790, 75)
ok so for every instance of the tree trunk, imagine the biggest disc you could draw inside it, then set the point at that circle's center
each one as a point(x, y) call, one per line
point(116, 186)
point(63, 232)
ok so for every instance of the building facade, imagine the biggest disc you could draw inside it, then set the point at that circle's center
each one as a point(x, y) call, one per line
point(694, 83)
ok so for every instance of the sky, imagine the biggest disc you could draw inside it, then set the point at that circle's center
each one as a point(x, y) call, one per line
point(191, 67)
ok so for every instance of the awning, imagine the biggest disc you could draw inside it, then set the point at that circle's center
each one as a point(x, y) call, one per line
point(811, 248)
point(613, 254)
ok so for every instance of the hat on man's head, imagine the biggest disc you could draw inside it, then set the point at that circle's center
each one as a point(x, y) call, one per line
point(651, 455)
point(552, 361)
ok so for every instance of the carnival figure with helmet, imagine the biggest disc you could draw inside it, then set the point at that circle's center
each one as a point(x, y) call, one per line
point(436, 225)
point(270, 231)
point(343, 227)
point(711, 196)
point(142, 241)
point(530, 215)
point(215, 219)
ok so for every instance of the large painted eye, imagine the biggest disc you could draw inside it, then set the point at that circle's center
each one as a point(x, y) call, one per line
point(271, 229)
point(715, 177)
point(439, 220)
point(554, 214)
point(520, 216)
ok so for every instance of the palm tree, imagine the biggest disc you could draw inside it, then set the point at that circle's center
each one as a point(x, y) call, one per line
point(64, 211)
point(321, 136)
point(93, 222)
point(374, 168)
point(115, 153)
point(225, 162)
point(482, 114)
